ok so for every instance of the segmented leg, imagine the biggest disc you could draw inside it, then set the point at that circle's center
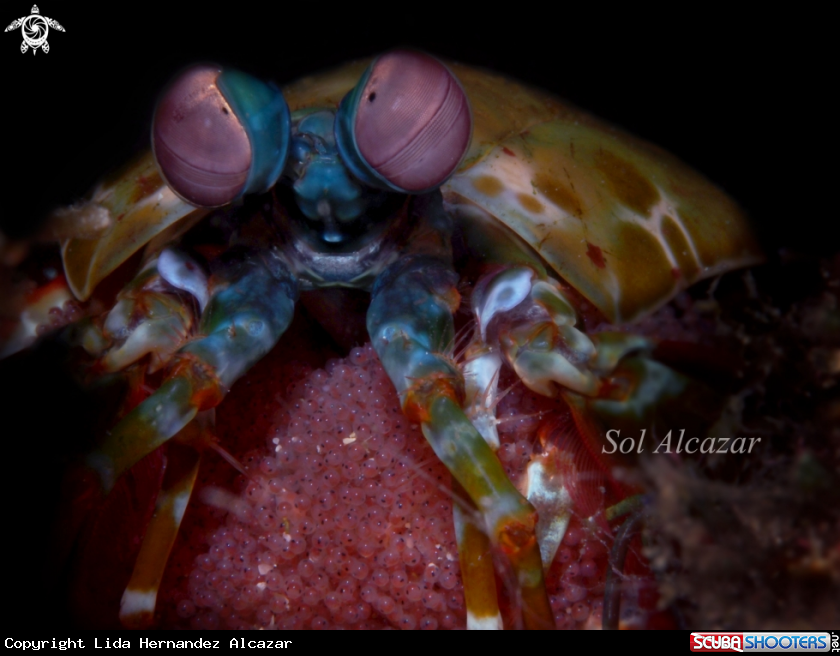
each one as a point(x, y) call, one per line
point(137, 607)
point(411, 327)
point(612, 587)
point(476, 559)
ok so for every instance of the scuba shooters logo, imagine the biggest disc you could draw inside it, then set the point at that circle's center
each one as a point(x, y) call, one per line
point(34, 29)
point(793, 641)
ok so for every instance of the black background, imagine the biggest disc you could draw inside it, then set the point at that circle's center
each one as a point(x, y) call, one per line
point(739, 99)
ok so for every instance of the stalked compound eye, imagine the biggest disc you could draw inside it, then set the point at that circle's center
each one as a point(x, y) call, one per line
point(220, 134)
point(406, 126)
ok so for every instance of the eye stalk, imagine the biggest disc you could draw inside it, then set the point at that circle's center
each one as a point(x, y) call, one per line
point(406, 126)
point(219, 134)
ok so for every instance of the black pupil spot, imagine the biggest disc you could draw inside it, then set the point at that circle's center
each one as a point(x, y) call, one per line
point(372, 97)
point(225, 110)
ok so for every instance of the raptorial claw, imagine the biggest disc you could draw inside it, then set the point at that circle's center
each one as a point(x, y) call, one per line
point(138, 206)
point(411, 327)
point(251, 302)
point(251, 305)
point(607, 375)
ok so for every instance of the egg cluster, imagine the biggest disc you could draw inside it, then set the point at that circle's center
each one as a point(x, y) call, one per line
point(347, 520)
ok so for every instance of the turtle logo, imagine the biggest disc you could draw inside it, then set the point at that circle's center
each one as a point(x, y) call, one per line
point(35, 29)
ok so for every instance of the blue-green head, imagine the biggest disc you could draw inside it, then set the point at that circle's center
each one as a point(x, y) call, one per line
point(405, 127)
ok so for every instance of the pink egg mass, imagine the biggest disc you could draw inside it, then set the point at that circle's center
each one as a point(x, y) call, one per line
point(345, 518)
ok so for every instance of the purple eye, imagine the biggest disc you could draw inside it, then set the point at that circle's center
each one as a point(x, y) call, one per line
point(220, 134)
point(407, 124)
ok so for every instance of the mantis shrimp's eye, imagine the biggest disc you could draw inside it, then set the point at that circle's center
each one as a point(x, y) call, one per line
point(407, 125)
point(220, 134)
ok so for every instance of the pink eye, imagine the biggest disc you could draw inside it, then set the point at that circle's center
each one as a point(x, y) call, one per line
point(220, 134)
point(410, 122)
